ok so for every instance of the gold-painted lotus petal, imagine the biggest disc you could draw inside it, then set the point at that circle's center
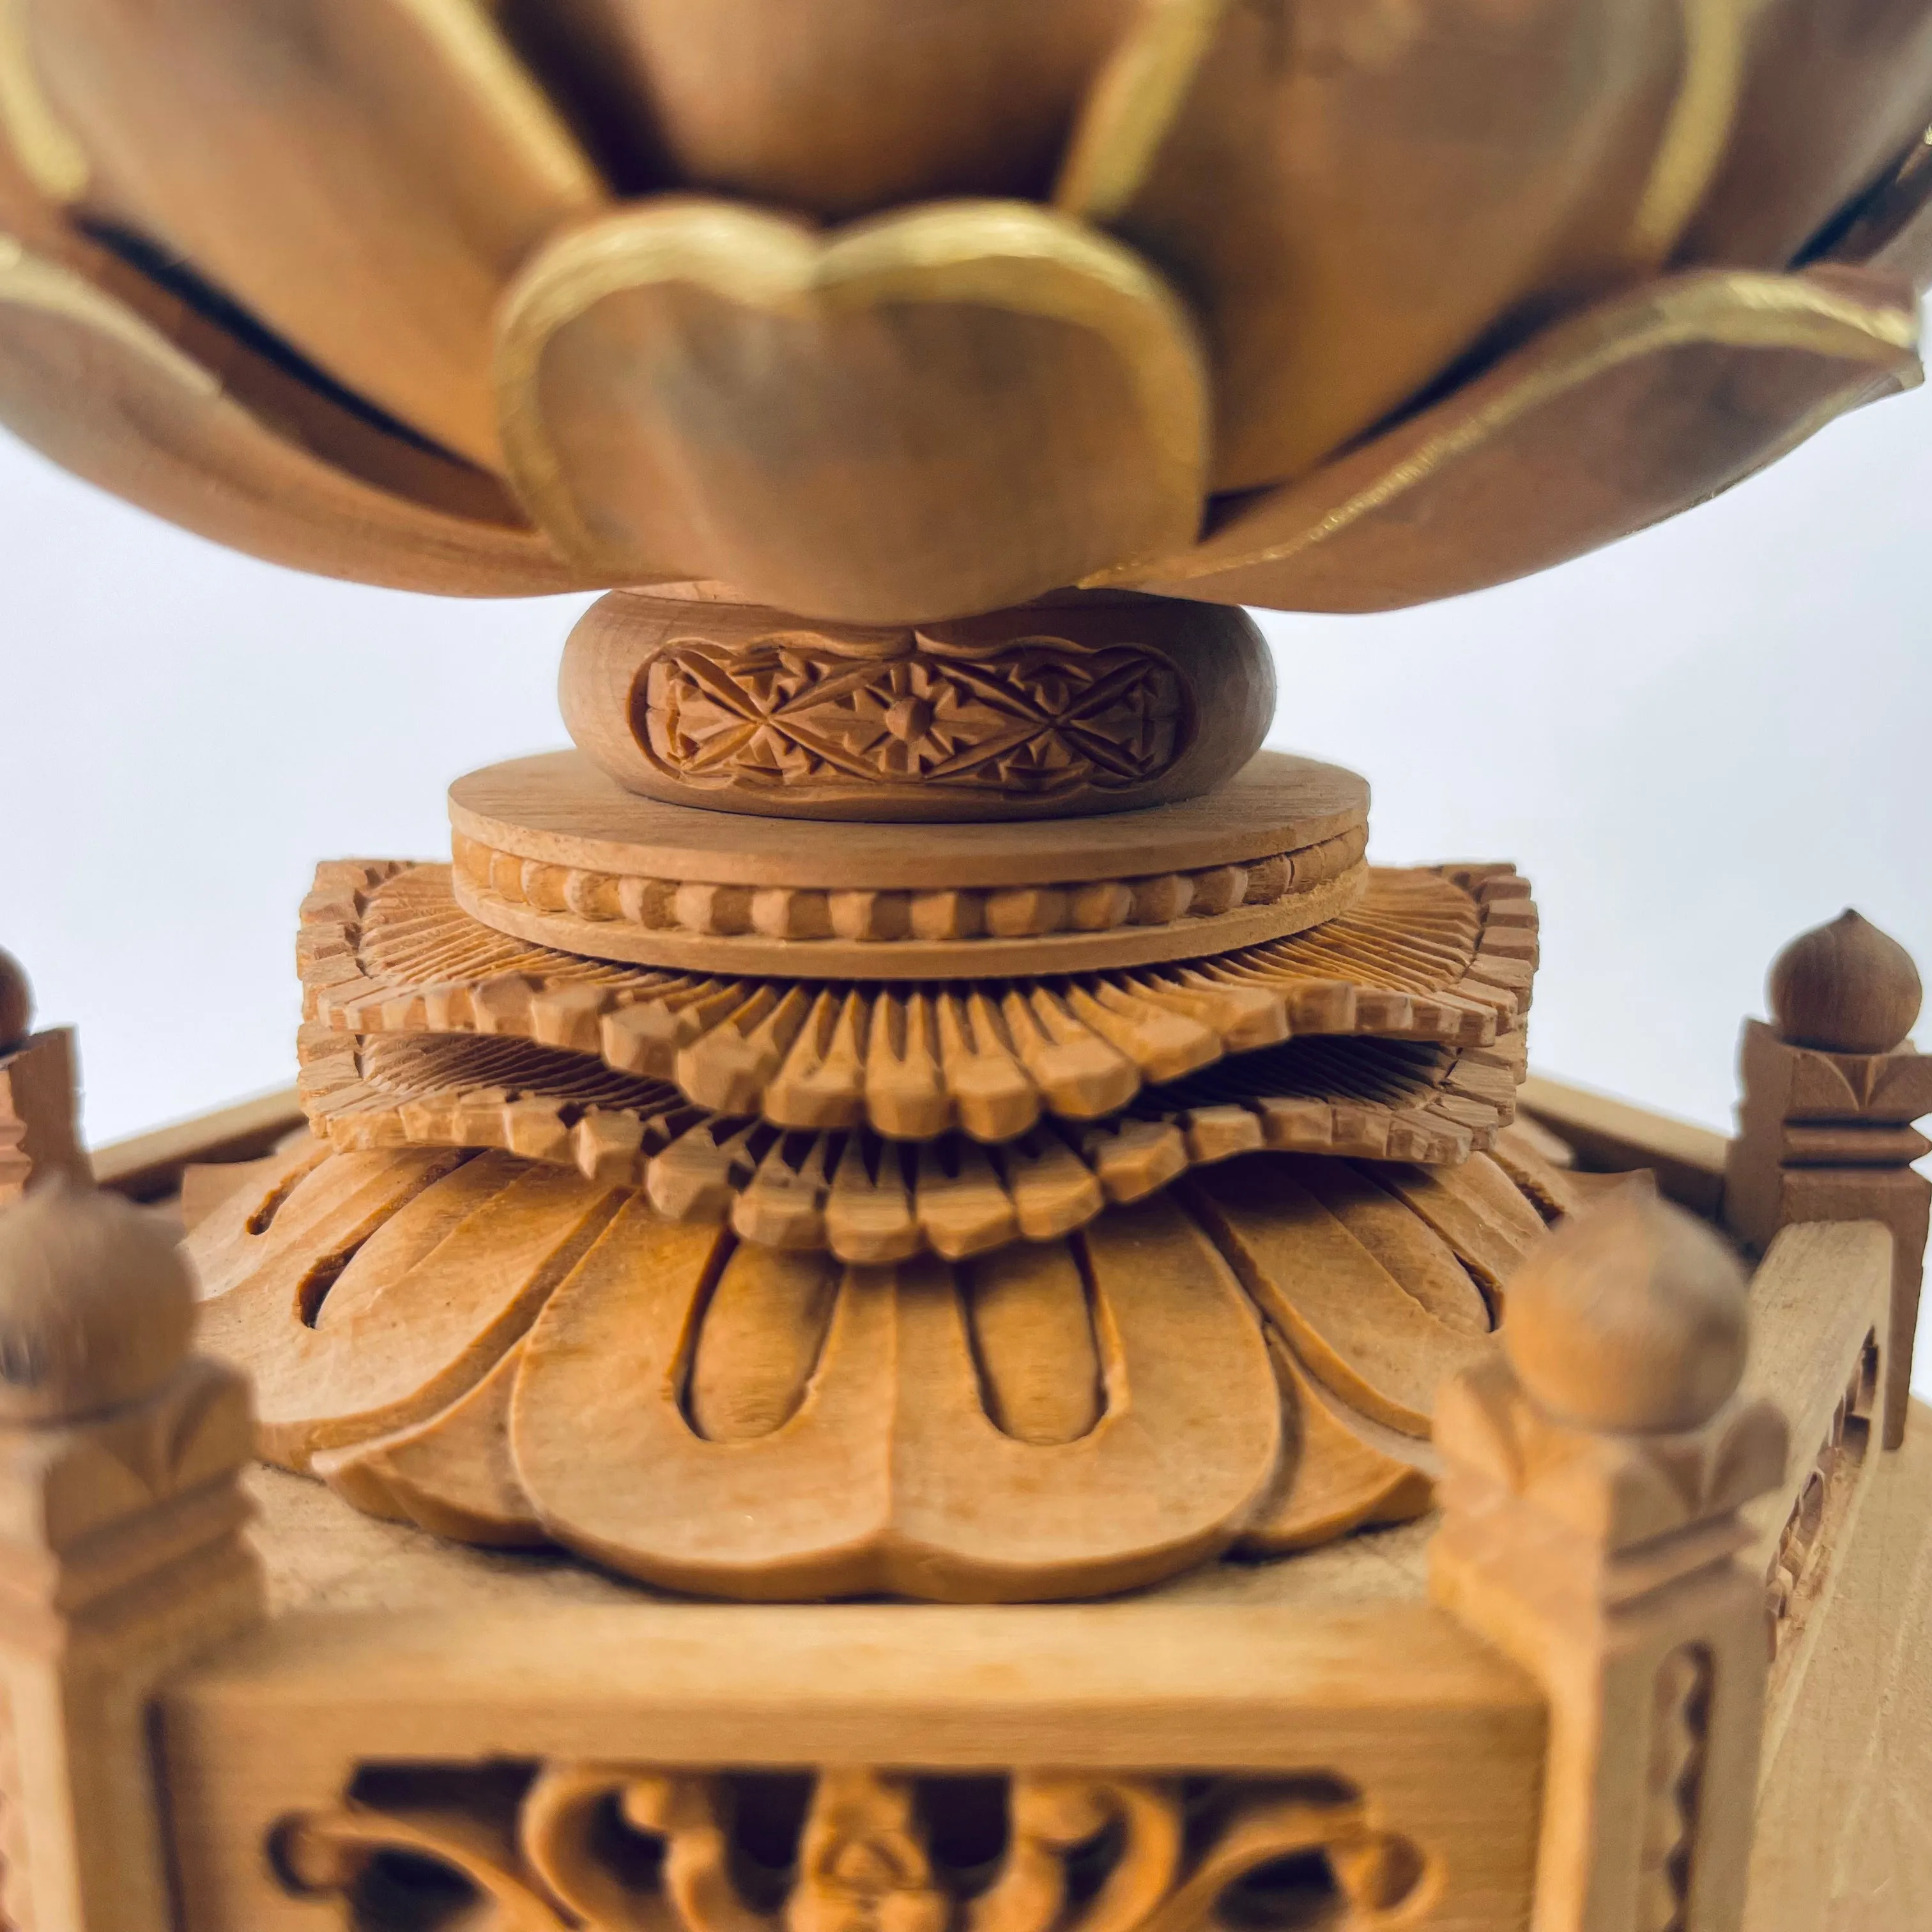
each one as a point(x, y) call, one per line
point(1893, 233)
point(1608, 422)
point(950, 409)
point(1835, 91)
point(120, 384)
point(363, 176)
point(843, 106)
point(1355, 192)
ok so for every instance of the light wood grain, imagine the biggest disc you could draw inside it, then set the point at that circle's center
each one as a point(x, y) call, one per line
point(366, 179)
point(1616, 1136)
point(1678, 388)
point(1444, 955)
point(121, 1552)
point(147, 1167)
point(1841, 1841)
point(558, 809)
point(1353, 206)
point(130, 390)
point(1064, 707)
point(936, 412)
point(1832, 97)
point(858, 103)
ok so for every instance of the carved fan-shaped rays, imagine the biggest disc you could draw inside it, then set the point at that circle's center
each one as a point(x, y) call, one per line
point(868, 1199)
point(1447, 956)
point(1249, 1360)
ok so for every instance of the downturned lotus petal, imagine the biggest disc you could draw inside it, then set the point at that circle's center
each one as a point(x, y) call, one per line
point(1836, 91)
point(943, 411)
point(1609, 421)
point(842, 107)
point(1353, 193)
point(143, 399)
point(1893, 234)
point(364, 176)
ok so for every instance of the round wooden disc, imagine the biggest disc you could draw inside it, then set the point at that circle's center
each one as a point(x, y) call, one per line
point(550, 850)
point(560, 809)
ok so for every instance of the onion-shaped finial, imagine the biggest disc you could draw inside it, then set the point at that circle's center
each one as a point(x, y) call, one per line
point(96, 1307)
point(16, 1001)
point(1846, 987)
point(1631, 1320)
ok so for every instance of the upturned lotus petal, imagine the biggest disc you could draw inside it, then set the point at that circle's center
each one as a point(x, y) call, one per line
point(692, 388)
point(1835, 91)
point(1271, 254)
point(1353, 194)
point(1677, 391)
point(144, 399)
point(840, 107)
point(365, 175)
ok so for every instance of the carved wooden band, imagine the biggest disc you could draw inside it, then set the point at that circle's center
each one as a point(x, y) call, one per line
point(867, 1199)
point(1447, 955)
point(1248, 1361)
point(551, 850)
point(941, 933)
point(1100, 704)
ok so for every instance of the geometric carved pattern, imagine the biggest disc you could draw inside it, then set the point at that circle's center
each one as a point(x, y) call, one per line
point(503, 1351)
point(544, 1847)
point(1445, 955)
point(1039, 718)
point(868, 1199)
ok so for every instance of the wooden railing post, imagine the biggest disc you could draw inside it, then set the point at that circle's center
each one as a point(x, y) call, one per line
point(121, 1554)
point(1830, 1089)
point(39, 1129)
point(1593, 1476)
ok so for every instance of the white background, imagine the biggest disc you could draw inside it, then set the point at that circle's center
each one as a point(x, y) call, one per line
point(1697, 743)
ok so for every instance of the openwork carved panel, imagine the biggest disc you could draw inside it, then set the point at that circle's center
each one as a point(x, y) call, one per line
point(524, 1847)
point(1804, 1547)
point(1040, 717)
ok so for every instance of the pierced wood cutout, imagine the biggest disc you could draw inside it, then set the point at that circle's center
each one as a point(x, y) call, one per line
point(512, 1353)
point(1793, 1590)
point(865, 1198)
point(1447, 955)
point(545, 1847)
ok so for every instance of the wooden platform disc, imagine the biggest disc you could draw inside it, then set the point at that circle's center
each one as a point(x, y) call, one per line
point(513, 1354)
point(868, 1199)
point(1447, 955)
point(549, 849)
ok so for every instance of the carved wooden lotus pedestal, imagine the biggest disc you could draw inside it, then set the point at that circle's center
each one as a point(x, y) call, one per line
point(1043, 1157)
point(983, 1211)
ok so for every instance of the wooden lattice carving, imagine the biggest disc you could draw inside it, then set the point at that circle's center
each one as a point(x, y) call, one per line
point(545, 1847)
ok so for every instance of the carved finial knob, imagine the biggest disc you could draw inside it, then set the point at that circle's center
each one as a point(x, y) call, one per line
point(1631, 1319)
point(97, 1307)
point(1846, 987)
point(16, 1001)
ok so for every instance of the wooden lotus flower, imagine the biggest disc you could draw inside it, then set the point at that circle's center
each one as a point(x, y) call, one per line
point(892, 310)
point(513, 1353)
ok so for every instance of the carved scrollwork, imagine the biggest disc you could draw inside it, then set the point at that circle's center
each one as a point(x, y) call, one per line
point(619, 1848)
point(1039, 716)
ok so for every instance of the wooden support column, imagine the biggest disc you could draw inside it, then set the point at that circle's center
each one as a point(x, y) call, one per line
point(121, 1551)
point(1831, 1090)
point(1593, 1478)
